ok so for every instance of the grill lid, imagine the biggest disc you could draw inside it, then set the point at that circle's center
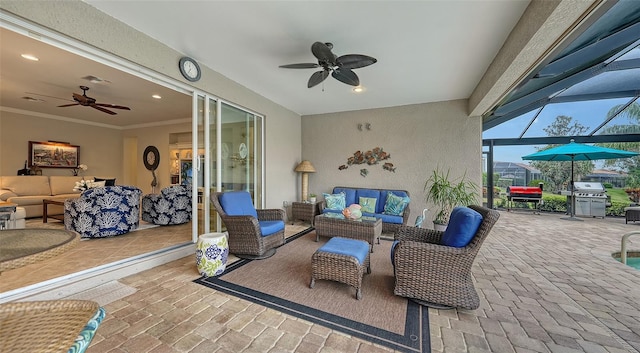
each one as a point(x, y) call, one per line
point(588, 187)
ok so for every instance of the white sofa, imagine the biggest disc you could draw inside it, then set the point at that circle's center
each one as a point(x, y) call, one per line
point(28, 191)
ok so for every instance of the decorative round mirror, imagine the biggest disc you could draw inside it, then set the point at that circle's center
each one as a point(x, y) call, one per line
point(151, 158)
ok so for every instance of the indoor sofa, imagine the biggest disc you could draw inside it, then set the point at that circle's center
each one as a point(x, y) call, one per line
point(391, 206)
point(28, 191)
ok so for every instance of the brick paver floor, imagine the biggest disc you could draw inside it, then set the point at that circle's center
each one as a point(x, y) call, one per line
point(546, 285)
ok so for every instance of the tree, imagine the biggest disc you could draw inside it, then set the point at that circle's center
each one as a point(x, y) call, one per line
point(558, 174)
point(632, 114)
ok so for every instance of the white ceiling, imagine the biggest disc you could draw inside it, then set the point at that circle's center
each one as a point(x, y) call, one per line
point(426, 50)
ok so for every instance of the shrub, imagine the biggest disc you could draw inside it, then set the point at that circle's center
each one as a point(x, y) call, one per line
point(607, 185)
point(554, 203)
point(535, 182)
point(617, 208)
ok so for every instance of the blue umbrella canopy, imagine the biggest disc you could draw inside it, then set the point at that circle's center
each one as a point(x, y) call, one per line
point(578, 152)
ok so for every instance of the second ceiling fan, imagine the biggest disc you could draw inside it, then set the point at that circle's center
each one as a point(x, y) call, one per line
point(340, 67)
point(86, 101)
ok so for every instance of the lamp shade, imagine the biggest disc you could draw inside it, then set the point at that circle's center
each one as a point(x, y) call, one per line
point(305, 167)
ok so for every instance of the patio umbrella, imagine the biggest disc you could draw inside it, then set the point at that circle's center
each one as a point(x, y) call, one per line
point(577, 152)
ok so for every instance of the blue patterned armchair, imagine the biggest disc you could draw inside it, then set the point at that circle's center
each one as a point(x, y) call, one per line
point(171, 206)
point(104, 211)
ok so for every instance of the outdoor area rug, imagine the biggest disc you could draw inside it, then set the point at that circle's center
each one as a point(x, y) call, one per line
point(281, 282)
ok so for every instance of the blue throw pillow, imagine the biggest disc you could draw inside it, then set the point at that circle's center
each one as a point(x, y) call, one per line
point(335, 201)
point(395, 205)
point(463, 225)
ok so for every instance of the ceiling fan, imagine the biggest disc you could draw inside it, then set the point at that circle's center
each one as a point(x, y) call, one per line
point(340, 67)
point(86, 101)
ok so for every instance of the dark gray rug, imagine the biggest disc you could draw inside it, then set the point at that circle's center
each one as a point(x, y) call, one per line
point(281, 282)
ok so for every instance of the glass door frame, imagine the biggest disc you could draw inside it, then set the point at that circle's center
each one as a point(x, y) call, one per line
point(202, 119)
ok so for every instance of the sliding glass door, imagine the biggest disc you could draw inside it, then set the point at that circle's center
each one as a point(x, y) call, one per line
point(231, 141)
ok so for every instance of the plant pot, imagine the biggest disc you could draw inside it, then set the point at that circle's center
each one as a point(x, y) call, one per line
point(440, 227)
point(312, 199)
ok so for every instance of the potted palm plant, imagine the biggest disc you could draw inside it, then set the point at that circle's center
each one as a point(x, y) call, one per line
point(446, 194)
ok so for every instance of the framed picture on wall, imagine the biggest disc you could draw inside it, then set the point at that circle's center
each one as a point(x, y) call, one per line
point(53, 154)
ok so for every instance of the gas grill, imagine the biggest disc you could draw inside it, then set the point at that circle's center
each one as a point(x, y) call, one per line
point(529, 194)
point(591, 199)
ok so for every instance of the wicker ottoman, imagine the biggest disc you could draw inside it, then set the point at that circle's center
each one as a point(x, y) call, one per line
point(631, 214)
point(341, 260)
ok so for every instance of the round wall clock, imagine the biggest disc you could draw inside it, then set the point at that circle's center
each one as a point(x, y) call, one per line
point(243, 151)
point(189, 68)
point(151, 158)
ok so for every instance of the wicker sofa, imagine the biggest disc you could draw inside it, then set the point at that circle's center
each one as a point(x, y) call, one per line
point(390, 223)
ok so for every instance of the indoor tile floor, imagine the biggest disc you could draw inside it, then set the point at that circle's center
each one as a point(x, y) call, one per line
point(546, 285)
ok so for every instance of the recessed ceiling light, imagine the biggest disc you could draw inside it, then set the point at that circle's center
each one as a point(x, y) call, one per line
point(358, 89)
point(30, 57)
point(156, 96)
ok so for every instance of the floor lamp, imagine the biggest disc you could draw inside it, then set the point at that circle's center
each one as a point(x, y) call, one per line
point(305, 167)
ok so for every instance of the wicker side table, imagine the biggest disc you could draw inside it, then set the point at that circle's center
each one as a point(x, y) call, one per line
point(305, 211)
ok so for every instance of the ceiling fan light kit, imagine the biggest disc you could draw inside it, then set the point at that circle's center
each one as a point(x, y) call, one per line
point(340, 67)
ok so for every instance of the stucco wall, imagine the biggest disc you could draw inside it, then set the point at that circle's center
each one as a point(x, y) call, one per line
point(83, 22)
point(419, 138)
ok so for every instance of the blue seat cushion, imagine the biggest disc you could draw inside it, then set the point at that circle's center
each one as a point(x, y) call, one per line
point(329, 210)
point(238, 203)
point(386, 218)
point(270, 227)
point(463, 225)
point(393, 251)
point(349, 247)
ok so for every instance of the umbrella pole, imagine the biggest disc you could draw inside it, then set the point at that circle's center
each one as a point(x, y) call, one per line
point(572, 216)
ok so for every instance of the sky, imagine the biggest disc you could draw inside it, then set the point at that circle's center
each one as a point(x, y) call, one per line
point(588, 113)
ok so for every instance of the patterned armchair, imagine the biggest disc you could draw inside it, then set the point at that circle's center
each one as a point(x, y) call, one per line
point(171, 206)
point(104, 211)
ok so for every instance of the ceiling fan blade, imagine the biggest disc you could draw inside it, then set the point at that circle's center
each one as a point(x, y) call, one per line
point(317, 77)
point(300, 66)
point(68, 105)
point(44, 95)
point(103, 109)
point(355, 61)
point(346, 76)
point(112, 106)
point(323, 53)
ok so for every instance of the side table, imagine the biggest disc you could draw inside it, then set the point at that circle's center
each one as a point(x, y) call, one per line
point(305, 211)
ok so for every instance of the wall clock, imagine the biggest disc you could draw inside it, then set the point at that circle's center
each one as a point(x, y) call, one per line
point(151, 158)
point(189, 68)
point(244, 151)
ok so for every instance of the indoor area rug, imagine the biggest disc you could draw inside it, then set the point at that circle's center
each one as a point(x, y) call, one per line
point(281, 282)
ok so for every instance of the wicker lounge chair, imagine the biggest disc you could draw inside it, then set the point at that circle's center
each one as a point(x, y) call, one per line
point(48, 326)
point(436, 275)
point(246, 238)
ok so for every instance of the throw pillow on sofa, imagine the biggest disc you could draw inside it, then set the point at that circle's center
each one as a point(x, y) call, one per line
point(335, 201)
point(395, 205)
point(368, 204)
point(463, 225)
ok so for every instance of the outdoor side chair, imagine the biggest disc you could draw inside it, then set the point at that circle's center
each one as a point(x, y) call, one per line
point(436, 275)
point(253, 233)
